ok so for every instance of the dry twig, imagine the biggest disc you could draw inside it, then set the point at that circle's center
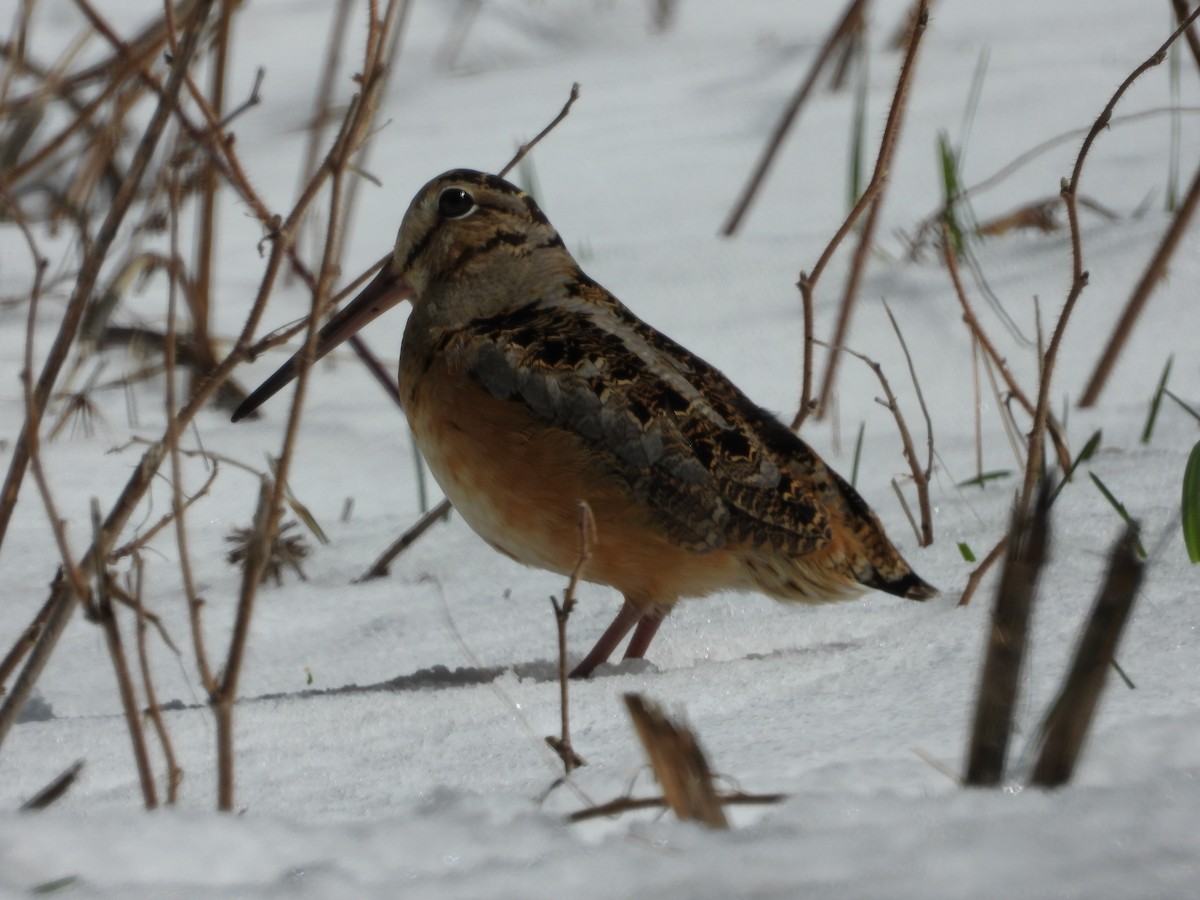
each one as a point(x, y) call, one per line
point(562, 612)
point(524, 149)
point(919, 476)
point(153, 710)
point(1079, 276)
point(1066, 725)
point(354, 129)
point(678, 763)
point(1028, 541)
point(379, 568)
point(632, 804)
point(807, 284)
point(993, 355)
point(883, 163)
point(1183, 18)
point(841, 35)
point(106, 618)
point(54, 789)
point(980, 570)
point(1155, 272)
point(90, 269)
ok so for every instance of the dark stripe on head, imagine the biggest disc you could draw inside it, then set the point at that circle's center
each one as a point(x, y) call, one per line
point(483, 179)
point(578, 282)
point(419, 247)
point(535, 211)
point(512, 238)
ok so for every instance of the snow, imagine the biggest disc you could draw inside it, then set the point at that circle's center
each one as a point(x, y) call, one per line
point(390, 734)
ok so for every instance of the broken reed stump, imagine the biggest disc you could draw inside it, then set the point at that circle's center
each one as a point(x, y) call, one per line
point(379, 568)
point(1066, 725)
point(678, 763)
point(55, 789)
point(1028, 539)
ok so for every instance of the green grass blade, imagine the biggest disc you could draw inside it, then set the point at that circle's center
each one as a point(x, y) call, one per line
point(1156, 401)
point(964, 214)
point(1191, 412)
point(982, 479)
point(948, 162)
point(1121, 511)
point(857, 455)
point(968, 554)
point(1191, 505)
point(1088, 451)
point(53, 887)
point(1116, 666)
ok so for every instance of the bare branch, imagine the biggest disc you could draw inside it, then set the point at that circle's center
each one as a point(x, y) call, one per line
point(850, 21)
point(887, 147)
point(524, 149)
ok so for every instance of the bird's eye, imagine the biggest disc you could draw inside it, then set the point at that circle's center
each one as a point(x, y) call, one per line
point(454, 203)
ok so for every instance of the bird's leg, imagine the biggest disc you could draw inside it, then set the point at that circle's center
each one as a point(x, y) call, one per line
point(613, 635)
point(647, 627)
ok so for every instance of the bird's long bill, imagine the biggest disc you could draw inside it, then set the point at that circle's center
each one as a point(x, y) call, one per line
point(385, 291)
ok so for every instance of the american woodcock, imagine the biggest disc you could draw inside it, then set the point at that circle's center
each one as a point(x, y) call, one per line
point(529, 387)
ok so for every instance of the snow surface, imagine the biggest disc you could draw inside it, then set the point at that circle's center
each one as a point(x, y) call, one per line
point(390, 736)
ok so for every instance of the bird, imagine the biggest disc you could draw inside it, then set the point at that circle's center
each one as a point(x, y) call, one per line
point(528, 388)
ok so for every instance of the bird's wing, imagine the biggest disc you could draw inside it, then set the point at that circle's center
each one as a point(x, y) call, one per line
point(668, 424)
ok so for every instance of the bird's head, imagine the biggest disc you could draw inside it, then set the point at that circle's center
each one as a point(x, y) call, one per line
point(470, 244)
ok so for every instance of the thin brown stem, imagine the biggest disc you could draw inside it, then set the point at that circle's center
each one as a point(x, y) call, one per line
point(24, 644)
point(806, 402)
point(1079, 277)
point(807, 284)
point(1193, 40)
point(912, 371)
point(562, 612)
point(383, 376)
point(379, 568)
point(925, 534)
point(524, 149)
point(145, 45)
point(907, 511)
point(992, 354)
point(61, 600)
point(978, 417)
point(90, 269)
point(178, 506)
point(132, 547)
point(201, 297)
point(866, 239)
point(354, 129)
point(153, 710)
point(1155, 272)
point(116, 651)
point(389, 55)
point(322, 113)
point(633, 804)
point(851, 20)
point(213, 141)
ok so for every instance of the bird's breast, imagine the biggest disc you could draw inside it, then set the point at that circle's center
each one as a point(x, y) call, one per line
point(518, 482)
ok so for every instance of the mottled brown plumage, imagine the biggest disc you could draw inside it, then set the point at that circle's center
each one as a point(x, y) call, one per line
point(529, 387)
